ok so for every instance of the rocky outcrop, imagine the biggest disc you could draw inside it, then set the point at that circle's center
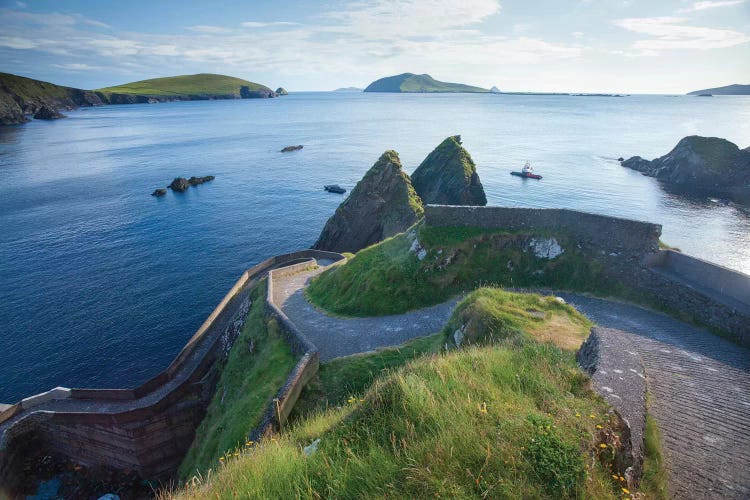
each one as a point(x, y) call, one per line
point(448, 176)
point(494, 90)
point(281, 91)
point(701, 165)
point(180, 184)
point(382, 204)
point(48, 113)
point(262, 93)
point(289, 149)
point(159, 192)
point(21, 96)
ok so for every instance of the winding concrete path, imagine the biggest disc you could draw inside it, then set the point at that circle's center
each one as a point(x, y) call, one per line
point(699, 384)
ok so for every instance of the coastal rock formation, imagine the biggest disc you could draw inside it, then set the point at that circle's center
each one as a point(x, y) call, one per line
point(289, 149)
point(702, 165)
point(281, 91)
point(180, 184)
point(21, 96)
point(159, 192)
point(382, 204)
point(448, 176)
point(409, 82)
point(48, 113)
point(494, 90)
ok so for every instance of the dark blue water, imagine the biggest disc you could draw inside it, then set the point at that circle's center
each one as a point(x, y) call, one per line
point(101, 284)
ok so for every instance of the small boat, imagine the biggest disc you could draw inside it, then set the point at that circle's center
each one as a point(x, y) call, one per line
point(527, 172)
point(334, 188)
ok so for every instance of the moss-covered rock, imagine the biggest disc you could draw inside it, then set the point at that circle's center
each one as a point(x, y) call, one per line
point(382, 204)
point(708, 165)
point(448, 176)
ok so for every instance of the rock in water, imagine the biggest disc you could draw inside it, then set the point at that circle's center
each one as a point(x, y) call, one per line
point(706, 165)
point(289, 149)
point(382, 204)
point(448, 176)
point(159, 192)
point(194, 181)
point(48, 113)
point(281, 91)
point(179, 184)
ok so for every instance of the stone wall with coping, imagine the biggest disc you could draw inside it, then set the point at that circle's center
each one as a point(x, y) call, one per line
point(147, 429)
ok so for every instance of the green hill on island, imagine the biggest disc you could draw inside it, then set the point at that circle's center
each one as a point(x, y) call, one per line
point(195, 86)
point(409, 82)
point(735, 89)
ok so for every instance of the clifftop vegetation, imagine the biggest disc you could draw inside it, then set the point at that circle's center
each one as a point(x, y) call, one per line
point(203, 84)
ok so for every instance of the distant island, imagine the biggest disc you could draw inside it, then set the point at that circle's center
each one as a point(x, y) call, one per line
point(21, 97)
point(735, 89)
point(409, 82)
point(348, 89)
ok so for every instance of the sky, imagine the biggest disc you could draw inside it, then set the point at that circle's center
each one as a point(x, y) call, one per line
point(623, 46)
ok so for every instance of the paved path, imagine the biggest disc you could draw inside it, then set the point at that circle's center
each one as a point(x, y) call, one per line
point(699, 387)
point(335, 337)
point(699, 383)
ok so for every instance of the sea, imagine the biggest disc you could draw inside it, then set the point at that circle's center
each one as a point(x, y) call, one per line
point(101, 284)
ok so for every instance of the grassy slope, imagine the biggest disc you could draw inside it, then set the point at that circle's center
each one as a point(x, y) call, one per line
point(719, 154)
point(30, 89)
point(388, 279)
point(247, 384)
point(515, 419)
point(201, 84)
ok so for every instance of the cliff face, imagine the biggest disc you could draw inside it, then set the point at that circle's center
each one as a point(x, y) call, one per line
point(448, 176)
point(21, 96)
point(708, 165)
point(382, 204)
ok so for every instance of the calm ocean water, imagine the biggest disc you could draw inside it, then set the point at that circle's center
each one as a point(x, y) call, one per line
point(101, 284)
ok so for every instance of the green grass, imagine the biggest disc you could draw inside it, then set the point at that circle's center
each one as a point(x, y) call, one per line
point(30, 89)
point(340, 379)
point(389, 279)
point(719, 154)
point(654, 479)
point(248, 383)
point(514, 419)
point(201, 84)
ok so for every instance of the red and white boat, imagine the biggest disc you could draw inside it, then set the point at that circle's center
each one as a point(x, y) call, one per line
point(527, 171)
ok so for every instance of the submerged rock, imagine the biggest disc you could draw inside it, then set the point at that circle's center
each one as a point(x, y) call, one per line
point(289, 149)
point(159, 192)
point(448, 176)
point(706, 165)
point(48, 113)
point(382, 204)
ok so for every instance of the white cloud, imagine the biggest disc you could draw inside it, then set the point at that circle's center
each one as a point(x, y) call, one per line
point(75, 66)
point(669, 33)
point(259, 24)
point(711, 5)
point(203, 28)
point(578, 34)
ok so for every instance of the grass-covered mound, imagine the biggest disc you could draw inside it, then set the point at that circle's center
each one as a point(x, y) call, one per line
point(249, 380)
point(390, 278)
point(514, 419)
point(409, 83)
point(203, 84)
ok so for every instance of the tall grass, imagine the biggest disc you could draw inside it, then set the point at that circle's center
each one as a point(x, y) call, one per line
point(249, 380)
point(514, 419)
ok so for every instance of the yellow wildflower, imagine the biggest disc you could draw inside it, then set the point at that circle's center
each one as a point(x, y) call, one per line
point(626, 491)
point(602, 445)
point(614, 476)
point(483, 408)
point(592, 416)
point(221, 459)
point(599, 426)
point(622, 478)
point(578, 414)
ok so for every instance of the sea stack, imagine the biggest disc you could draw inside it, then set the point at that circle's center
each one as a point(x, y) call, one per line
point(382, 204)
point(448, 176)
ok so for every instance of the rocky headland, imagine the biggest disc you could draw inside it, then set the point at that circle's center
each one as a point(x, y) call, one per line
point(382, 204)
point(22, 98)
point(448, 176)
point(281, 91)
point(735, 89)
point(411, 83)
point(701, 165)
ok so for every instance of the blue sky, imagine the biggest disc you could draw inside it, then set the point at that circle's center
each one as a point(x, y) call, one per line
point(632, 46)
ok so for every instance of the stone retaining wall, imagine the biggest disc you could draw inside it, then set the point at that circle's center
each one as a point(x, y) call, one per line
point(147, 429)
